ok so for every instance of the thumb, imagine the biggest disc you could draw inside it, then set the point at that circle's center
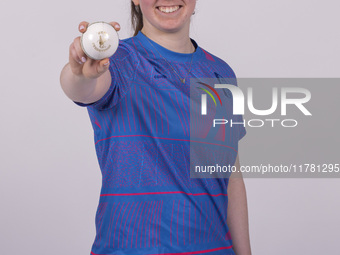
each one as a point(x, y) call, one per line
point(103, 65)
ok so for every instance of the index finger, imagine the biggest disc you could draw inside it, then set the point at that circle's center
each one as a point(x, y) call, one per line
point(115, 25)
point(83, 26)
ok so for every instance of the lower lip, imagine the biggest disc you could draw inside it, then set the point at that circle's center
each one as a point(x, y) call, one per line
point(169, 13)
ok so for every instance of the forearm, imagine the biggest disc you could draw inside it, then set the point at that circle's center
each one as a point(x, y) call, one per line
point(76, 87)
point(237, 219)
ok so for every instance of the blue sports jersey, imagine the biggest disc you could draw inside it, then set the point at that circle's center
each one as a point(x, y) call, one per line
point(148, 202)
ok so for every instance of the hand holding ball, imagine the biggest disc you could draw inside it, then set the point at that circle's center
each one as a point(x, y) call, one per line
point(99, 41)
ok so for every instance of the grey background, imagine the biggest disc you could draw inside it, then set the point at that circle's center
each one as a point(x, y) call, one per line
point(50, 178)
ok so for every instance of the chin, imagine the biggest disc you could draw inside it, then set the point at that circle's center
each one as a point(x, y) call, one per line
point(170, 27)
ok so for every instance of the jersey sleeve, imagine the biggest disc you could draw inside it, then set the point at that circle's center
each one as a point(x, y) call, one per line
point(123, 66)
point(241, 130)
point(229, 77)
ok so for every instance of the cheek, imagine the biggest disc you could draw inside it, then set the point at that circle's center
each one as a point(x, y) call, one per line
point(147, 3)
point(147, 7)
point(191, 4)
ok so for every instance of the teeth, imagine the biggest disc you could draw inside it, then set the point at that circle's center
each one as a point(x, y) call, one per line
point(169, 9)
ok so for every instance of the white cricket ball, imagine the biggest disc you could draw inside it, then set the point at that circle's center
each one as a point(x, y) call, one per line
point(100, 40)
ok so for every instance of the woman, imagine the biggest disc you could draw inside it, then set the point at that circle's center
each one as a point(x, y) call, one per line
point(138, 103)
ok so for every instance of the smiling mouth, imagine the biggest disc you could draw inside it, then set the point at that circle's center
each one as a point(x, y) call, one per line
point(169, 9)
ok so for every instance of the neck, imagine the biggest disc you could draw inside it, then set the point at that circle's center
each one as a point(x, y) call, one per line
point(178, 41)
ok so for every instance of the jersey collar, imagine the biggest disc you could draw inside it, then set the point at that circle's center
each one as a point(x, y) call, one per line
point(150, 51)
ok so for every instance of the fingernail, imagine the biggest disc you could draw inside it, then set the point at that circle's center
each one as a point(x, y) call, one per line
point(81, 27)
point(106, 63)
point(83, 59)
point(117, 26)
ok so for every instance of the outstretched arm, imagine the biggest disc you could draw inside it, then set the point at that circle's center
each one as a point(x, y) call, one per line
point(85, 80)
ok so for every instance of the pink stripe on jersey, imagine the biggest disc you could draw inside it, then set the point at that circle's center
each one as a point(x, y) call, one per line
point(139, 222)
point(140, 89)
point(177, 220)
point(154, 108)
point(159, 109)
point(126, 220)
point(185, 123)
point(208, 56)
point(186, 112)
point(165, 114)
point(183, 223)
point(149, 109)
point(184, 253)
point(114, 235)
point(133, 213)
point(172, 214)
point(179, 117)
point(134, 224)
point(163, 193)
point(127, 113)
point(140, 124)
point(120, 226)
point(151, 215)
point(112, 223)
point(159, 225)
point(196, 252)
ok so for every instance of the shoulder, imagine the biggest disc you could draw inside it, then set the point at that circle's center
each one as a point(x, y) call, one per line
point(221, 66)
point(125, 61)
point(125, 49)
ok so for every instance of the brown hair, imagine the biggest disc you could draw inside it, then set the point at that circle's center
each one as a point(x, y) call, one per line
point(136, 18)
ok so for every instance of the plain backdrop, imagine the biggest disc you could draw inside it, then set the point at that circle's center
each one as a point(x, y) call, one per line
point(49, 176)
